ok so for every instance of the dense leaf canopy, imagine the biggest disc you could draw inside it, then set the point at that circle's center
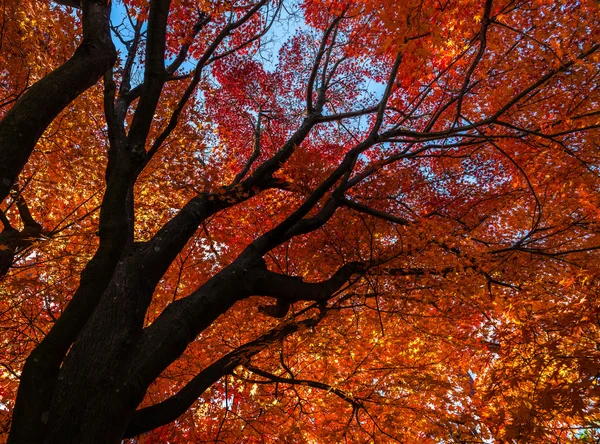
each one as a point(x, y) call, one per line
point(316, 221)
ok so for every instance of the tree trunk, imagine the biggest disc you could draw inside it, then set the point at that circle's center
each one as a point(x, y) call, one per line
point(105, 375)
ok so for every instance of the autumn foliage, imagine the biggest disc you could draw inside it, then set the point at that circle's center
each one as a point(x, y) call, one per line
point(319, 221)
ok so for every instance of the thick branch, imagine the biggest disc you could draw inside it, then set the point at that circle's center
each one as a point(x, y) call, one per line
point(19, 132)
point(167, 411)
point(12, 240)
point(183, 320)
point(198, 75)
point(154, 75)
point(372, 212)
point(179, 324)
point(288, 289)
point(36, 109)
point(386, 94)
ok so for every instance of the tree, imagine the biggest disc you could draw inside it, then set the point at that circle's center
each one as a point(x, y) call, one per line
point(380, 226)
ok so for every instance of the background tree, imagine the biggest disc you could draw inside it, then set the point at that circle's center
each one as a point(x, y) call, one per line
point(382, 225)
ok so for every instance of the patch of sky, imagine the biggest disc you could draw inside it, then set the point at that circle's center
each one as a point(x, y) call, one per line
point(290, 21)
point(122, 27)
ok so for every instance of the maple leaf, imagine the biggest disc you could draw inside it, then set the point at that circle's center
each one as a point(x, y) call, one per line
point(370, 221)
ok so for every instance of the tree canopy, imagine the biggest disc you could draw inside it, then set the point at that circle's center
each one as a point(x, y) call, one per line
point(300, 221)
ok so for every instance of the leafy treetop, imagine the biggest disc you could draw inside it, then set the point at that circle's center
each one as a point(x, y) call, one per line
point(316, 221)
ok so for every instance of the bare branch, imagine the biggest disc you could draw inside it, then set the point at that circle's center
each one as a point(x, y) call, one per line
point(354, 402)
point(317, 63)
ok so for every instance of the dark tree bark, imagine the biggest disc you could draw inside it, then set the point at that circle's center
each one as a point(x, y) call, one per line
point(19, 132)
point(13, 240)
point(85, 380)
point(36, 109)
point(90, 395)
